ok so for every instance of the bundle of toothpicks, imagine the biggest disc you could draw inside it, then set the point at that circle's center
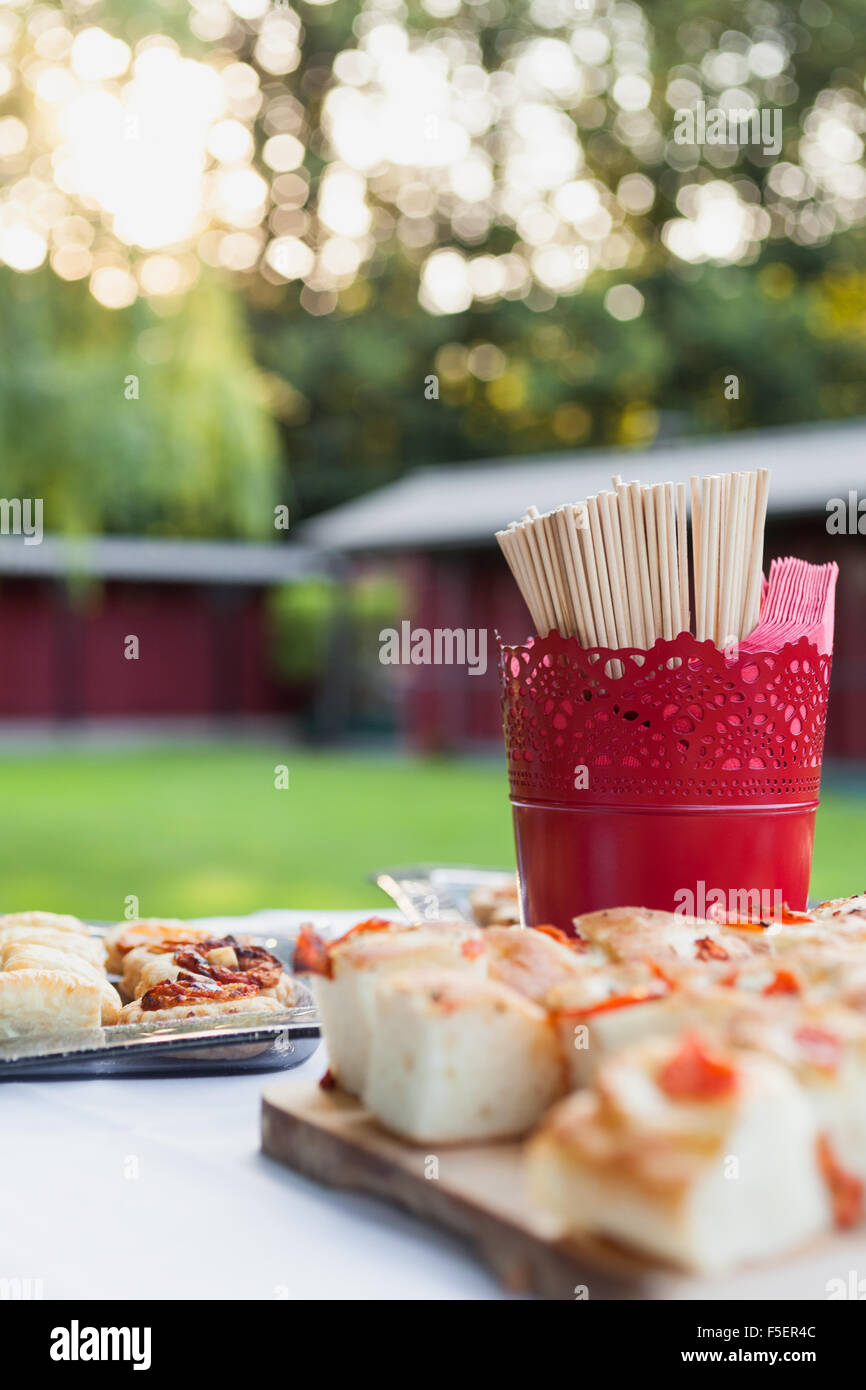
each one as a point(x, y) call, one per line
point(614, 570)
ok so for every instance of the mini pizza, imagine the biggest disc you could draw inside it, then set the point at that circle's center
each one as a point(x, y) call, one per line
point(149, 931)
point(214, 975)
point(847, 932)
point(687, 1152)
point(141, 960)
point(610, 1007)
point(639, 933)
point(496, 905)
point(225, 960)
point(456, 1058)
point(765, 976)
point(752, 916)
point(535, 961)
point(812, 973)
point(346, 972)
point(173, 1000)
point(825, 1051)
point(841, 922)
point(24, 956)
point(850, 988)
point(841, 907)
point(636, 1001)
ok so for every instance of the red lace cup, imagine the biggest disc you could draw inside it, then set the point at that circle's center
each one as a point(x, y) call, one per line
point(683, 723)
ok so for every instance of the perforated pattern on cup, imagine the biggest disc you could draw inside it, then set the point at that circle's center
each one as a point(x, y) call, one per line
point(683, 723)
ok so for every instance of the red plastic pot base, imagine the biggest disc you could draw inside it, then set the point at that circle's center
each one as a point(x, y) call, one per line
point(573, 860)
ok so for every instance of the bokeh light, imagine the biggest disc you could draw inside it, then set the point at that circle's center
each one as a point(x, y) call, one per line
point(494, 169)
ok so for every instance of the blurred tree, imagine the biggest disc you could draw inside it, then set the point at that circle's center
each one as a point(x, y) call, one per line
point(325, 639)
point(761, 285)
point(461, 230)
point(135, 420)
point(512, 380)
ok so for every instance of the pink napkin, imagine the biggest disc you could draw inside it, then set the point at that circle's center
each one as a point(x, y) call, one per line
point(797, 601)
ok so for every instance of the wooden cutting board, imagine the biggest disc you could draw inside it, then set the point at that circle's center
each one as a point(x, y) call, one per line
point(478, 1192)
point(475, 1191)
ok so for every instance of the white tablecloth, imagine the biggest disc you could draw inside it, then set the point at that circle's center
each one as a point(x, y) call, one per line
point(158, 1189)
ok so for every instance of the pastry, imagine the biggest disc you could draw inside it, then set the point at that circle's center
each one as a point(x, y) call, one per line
point(348, 970)
point(195, 1000)
point(607, 1008)
point(147, 932)
point(496, 905)
point(52, 976)
point(457, 1058)
point(56, 921)
point(686, 1152)
point(841, 907)
point(25, 956)
point(222, 959)
point(89, 948)
point(213, 975)
point(824, 1049)
point(635, 933)
point(35, 1001)
point(533, 962)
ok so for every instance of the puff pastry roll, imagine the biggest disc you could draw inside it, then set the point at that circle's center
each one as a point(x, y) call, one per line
point(145, 966)
point(199, 1003)
point(89, 948)
point(47, 1002)
point(214, 976)
point(223, 960)
point(56, 921)
point(148, 931)
point(27, 956)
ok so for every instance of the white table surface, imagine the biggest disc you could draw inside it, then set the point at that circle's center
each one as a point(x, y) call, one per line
point(142, 1188)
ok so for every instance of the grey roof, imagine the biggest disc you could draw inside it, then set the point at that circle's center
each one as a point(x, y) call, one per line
point(160, 560)
point(465, 504)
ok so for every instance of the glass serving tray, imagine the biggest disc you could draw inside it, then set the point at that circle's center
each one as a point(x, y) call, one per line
point(249, 1042)
point(195, 1046)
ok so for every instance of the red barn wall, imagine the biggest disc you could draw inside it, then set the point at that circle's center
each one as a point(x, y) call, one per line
point(846, 728)
point(443, 706)
point(30, 651)
point(203, 651)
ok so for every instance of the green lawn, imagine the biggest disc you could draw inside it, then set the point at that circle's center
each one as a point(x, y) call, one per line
point(203, 829)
